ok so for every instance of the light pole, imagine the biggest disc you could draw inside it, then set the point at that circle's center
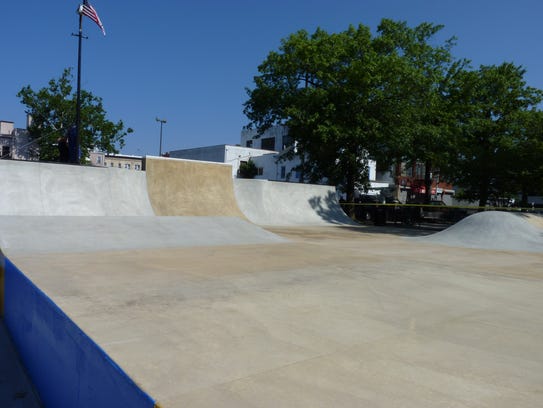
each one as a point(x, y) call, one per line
point(162, 121)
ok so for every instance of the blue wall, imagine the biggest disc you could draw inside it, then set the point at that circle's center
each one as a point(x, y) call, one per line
point(67, 368)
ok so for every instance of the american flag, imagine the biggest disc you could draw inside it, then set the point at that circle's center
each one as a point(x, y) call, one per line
point(87, 10)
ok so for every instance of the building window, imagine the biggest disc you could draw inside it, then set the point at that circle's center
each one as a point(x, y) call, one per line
point(420, 170)
point(6, 150)
point(119, 165)
point(98, 160)
point(260, 171)
point(268, 143)
point(249, 143)
point(111, 164)
point(127, 166)
point(137, 167)
point(283, 172)
point(287, 141)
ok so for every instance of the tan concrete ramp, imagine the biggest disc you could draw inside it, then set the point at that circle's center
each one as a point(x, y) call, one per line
point(188, 187)
point(289, 204)
point(37, 189)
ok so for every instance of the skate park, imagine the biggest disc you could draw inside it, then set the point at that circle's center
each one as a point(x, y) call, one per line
point(180, 286)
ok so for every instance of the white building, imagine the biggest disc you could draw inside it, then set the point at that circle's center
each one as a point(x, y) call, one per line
point(268, 152)
point(278, 138)
point(264, 152)
point(121, 161)
point(15, 143)
point(265, 160)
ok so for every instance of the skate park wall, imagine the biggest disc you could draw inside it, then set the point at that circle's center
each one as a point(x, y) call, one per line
point(49, 189)
point(272, 203)
point(66, 367)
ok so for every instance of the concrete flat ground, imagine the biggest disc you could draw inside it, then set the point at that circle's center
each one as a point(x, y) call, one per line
point(346, 317)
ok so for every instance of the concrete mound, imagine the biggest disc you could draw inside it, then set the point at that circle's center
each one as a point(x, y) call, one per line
point(534, 219)
point(491, 230)
point(272, 203)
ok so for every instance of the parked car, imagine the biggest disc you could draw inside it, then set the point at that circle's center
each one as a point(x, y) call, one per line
point(434, 211)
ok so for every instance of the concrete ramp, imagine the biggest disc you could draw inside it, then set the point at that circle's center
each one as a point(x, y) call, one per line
point(289, 204)
point(32, 188)
point(188, 187)
point(61, 234)
point(49, 207)
point(491, 230)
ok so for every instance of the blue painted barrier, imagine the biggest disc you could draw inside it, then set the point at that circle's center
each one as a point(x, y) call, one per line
point(68, 369)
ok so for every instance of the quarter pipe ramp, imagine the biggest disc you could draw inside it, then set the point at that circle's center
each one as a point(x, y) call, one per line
point(271, 203)
point(38, 189)
point(187, 187)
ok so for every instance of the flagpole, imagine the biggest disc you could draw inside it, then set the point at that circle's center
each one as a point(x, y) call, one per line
point(77, 139)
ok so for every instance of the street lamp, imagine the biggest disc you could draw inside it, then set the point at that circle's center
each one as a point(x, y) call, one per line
point(162, 121)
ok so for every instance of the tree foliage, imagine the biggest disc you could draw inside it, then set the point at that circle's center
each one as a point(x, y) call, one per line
point(525, 166)
point(348, 96)
point(499, 131)
point(418, 113)
point(247, 169)
point(52, 109)
point(400, 96)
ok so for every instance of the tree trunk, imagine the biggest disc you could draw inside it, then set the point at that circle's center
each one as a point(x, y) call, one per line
point(349, 191)
point(397, 177)
point(524, 198)
point(483, 193)
point(302, 168)
point(428, 181)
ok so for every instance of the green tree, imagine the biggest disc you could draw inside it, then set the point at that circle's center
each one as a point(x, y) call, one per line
point(524, 171)
point(349, 96)
point(309, 86)
point(495, 129)
point(53, 113)
point(248, 169)
point(418, 117)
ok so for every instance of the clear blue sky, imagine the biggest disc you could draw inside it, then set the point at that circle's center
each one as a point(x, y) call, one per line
point(190, 62)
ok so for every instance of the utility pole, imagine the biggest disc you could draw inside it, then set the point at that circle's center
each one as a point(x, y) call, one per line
point(162, 121)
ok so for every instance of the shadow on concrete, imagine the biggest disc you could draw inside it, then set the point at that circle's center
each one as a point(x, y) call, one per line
point(420, 230)
point(535, 219)
point(327, 207)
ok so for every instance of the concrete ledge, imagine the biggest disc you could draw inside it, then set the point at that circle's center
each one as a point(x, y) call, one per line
point(16, 390)
point(67, 368)
point(2, 274)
